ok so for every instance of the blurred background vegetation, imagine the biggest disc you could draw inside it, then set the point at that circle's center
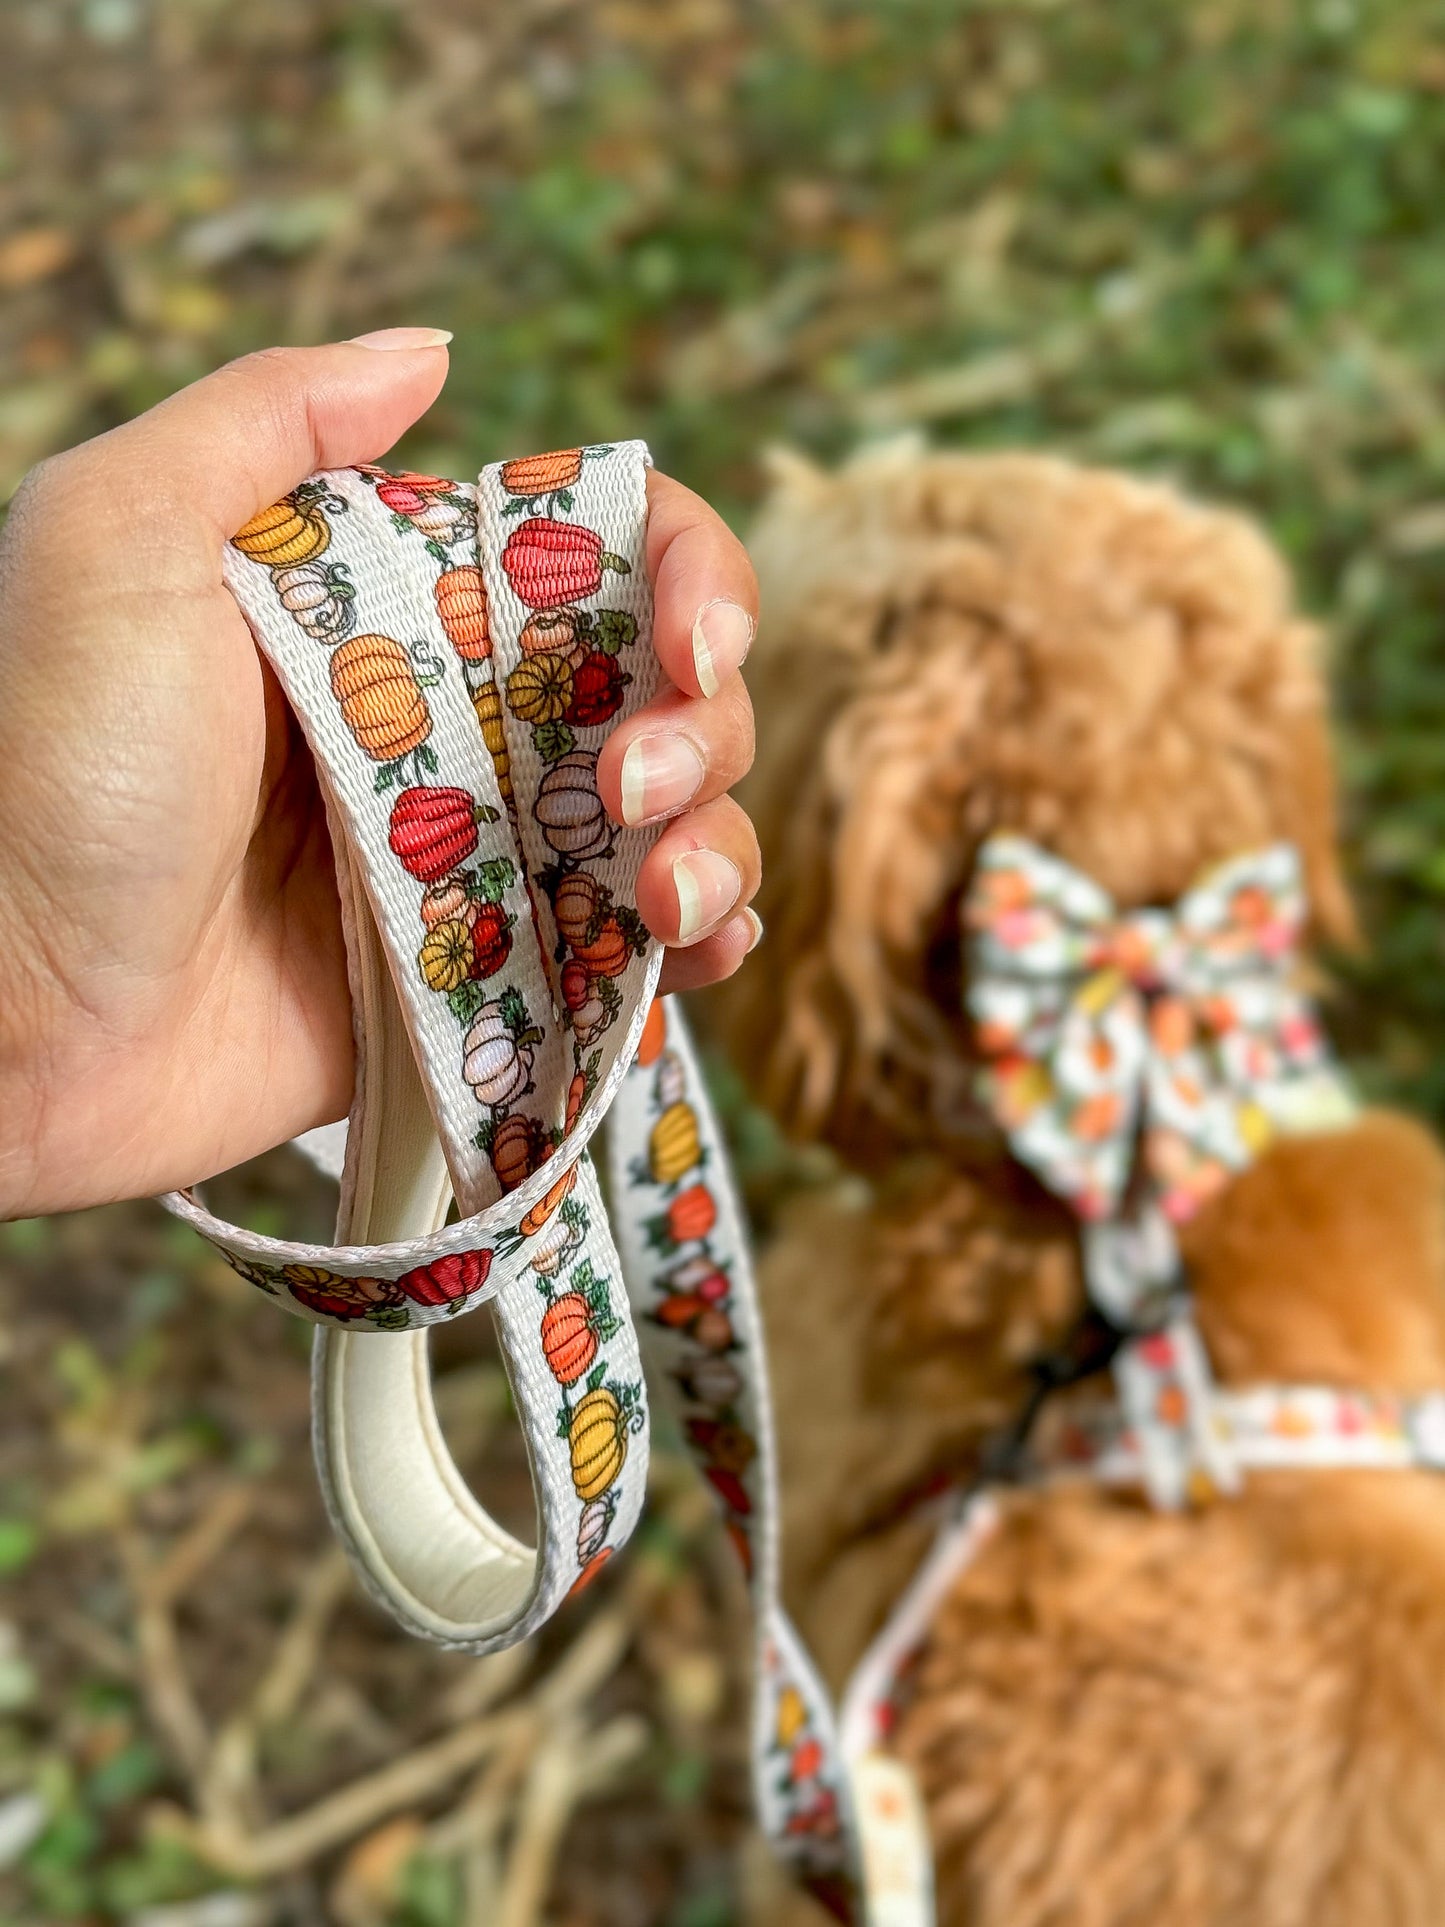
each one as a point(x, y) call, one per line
point(1198, 239)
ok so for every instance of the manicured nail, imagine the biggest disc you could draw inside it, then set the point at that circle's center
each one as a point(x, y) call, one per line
point(660, 774)
point(707, 885)
point(722, 634)
point(756, 921)
point(403, 338)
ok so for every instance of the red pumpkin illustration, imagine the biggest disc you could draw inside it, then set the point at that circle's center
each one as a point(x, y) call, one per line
point(569, 1337)
point(445, 1280)
point(724, 1445)
point(576, 984)
point(549, 563)
point(491, 940)
point(590, 1571)
point(406, 493)
point(729, 1488)
point(433, 830)
point(597, 686)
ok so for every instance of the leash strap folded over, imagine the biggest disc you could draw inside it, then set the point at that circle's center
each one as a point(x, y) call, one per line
point(455, 656)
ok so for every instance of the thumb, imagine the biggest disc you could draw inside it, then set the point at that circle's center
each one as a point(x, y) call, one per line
point(234, 441)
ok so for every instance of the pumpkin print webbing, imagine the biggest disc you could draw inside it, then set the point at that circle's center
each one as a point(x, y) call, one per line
point(549, 677)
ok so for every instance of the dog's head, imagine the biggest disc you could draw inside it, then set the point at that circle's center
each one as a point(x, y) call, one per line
point(957, 645)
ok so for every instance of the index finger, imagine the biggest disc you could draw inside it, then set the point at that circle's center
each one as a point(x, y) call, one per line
point(697, 566)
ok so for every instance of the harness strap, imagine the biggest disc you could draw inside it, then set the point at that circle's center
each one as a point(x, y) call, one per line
point(455, 656)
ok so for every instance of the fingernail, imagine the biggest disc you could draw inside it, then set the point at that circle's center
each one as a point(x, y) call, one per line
point(403, 338)
point(756, 921)
point(707, 885)
point(659, 775)
point(722, 634)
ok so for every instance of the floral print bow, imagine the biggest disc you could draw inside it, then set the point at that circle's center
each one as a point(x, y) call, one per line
point(1179, 1031)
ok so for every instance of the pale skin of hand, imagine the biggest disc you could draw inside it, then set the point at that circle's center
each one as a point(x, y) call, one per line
point(172, 976)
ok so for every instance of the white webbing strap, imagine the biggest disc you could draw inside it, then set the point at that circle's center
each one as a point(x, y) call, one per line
point(686, 1257)
point(455, 656)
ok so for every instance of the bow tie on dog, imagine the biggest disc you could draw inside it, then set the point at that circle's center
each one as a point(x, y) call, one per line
point(1135, 1061)
point(1181, 1027)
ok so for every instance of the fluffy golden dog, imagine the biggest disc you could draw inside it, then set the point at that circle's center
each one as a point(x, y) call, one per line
point(1120, 1718)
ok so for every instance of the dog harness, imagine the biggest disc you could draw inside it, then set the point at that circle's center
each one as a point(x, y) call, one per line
point(1134, 1062)
point(456, 656)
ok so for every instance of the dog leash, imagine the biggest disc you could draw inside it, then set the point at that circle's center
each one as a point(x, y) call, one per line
point(455, 655)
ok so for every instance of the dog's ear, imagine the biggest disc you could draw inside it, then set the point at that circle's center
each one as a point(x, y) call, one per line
point(871, 793)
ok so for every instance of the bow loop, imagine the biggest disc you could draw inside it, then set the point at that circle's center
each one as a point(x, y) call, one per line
point(1181, 1030)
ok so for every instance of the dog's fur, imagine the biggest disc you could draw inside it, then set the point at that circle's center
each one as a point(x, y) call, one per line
point(1120, 1718)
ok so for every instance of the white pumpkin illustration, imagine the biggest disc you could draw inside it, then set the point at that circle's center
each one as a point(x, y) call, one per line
point(318, 597)
point(570, 810)
point(496, 1066)
point(552, 1243)
point(592, 1524)
point(687, 1276)
point(589, 1022)
point(671, 1081)
point(441, 518)
point(714, 1382)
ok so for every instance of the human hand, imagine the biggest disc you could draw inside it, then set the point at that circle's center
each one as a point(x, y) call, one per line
point(173, 993)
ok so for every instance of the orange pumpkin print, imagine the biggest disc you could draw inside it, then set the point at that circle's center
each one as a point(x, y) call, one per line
point(544, 1207)
point(537, 475)
point(575, 904)
point(380, 697)
point(518, 1147)
point(692, 1214)
point(654, 1035)
point(608, 954)
point(1097, 1117)
point(1171, 1026)
point(461, 599)
point(569, 1337)
point(1171, 1408)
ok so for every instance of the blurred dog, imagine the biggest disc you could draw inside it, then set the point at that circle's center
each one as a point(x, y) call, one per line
point(1120, 1717)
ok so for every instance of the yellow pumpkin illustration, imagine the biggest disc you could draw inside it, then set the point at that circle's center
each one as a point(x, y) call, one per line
point(792, 1715)
point(447, 956)
point(597, 1436)
point(539, 689)
point(673, 1149)
point(487, 702)
point(283, 534)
